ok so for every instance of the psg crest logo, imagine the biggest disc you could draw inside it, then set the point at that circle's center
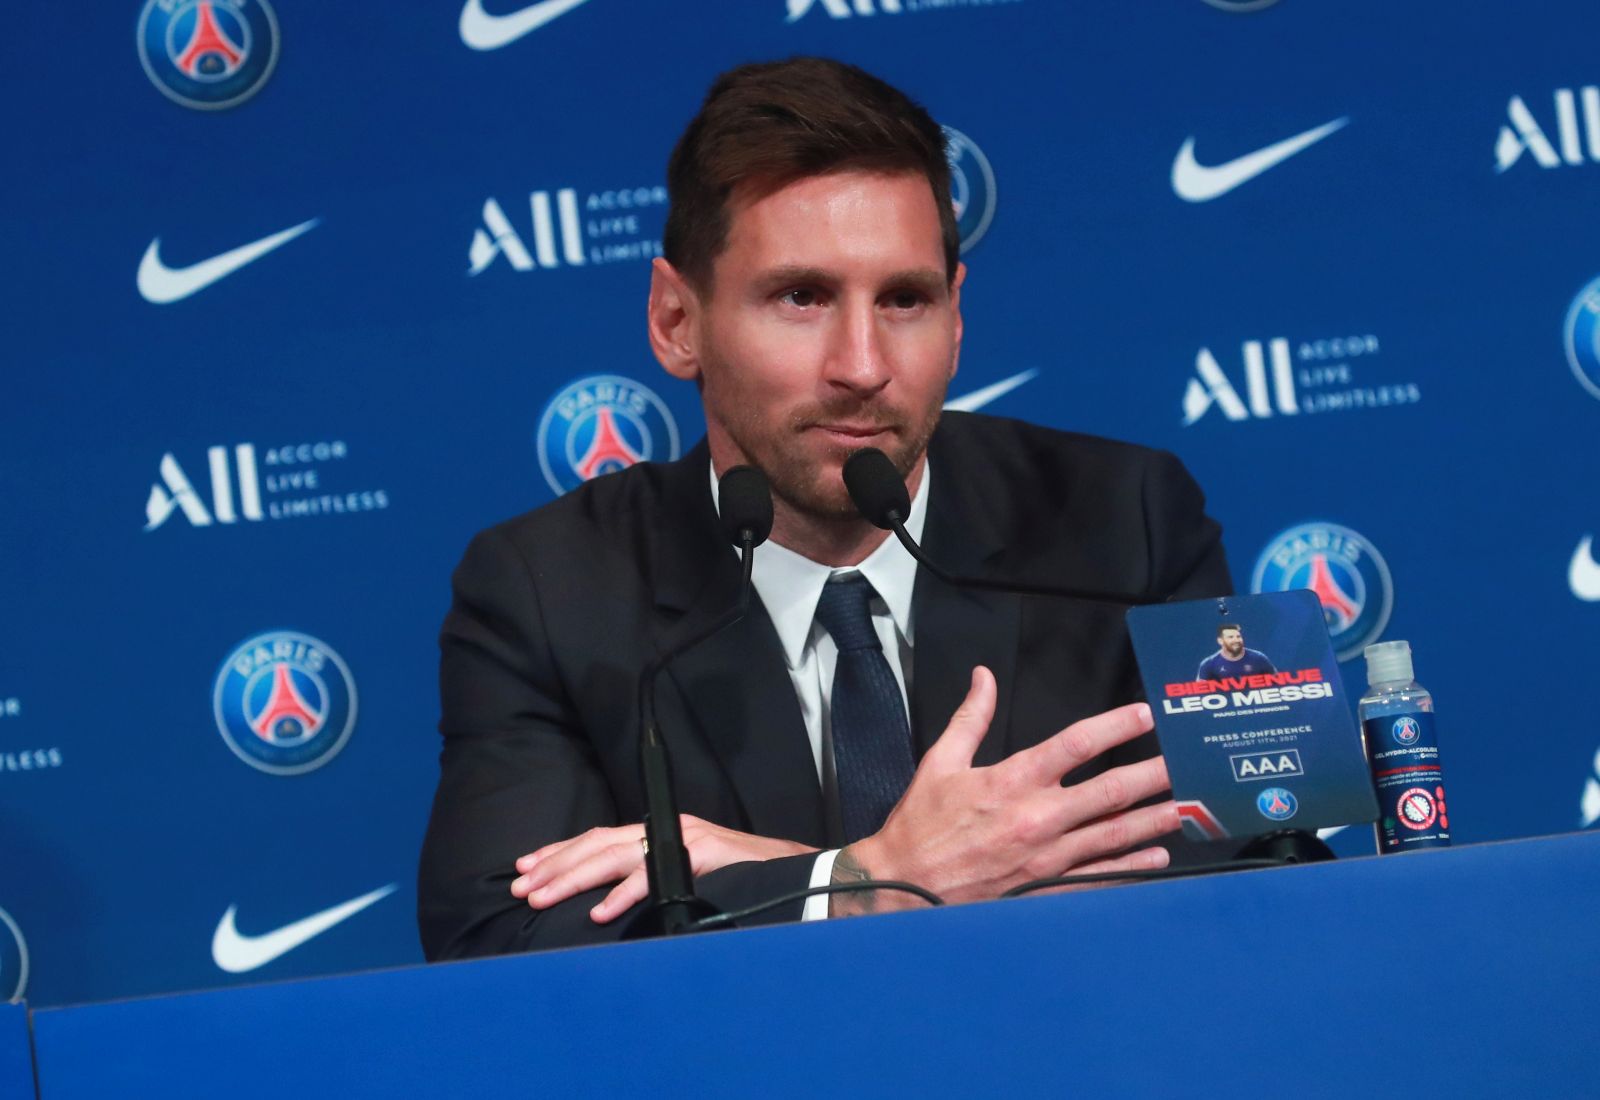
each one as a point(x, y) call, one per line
point(1406, 731)
point(13, 960)
point(285, 702)
point(971, 186)
point(1346, 572)
point(601, 424)
point(1582, 333)
point(1277, 803)
point(208, 54)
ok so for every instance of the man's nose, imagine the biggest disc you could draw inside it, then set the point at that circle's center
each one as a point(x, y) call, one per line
point(858, 359)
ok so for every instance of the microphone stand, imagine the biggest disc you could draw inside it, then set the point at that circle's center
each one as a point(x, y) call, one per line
point(673, 907)
point(1287, 846)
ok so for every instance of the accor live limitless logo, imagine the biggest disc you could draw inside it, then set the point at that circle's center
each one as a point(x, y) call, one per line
point(282, 482)
point(562, 229)
point(1577, 136)
point(845, 9)
point(36, 758)
point(565, 231)
point(1281, 378)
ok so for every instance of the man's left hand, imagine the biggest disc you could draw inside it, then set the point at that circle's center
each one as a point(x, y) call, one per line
point(567, 868)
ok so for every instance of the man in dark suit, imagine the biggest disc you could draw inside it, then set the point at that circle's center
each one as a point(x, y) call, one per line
point(811, 289)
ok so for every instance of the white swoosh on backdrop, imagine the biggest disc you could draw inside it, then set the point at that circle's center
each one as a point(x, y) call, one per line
point(161, 284)
point(977, 399)
point(1584, 572)
point(483, 31)
point(1590, 806)
point(1195, 182)
point(238, 954)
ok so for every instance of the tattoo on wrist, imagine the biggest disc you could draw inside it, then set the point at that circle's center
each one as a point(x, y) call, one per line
point(848, 868)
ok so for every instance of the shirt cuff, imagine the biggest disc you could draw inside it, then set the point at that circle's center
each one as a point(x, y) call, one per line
point(821, 872)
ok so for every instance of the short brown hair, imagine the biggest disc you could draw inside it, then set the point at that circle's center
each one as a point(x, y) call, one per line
point(767, 125)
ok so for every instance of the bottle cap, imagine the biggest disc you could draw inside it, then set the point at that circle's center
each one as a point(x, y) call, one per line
point(1388, 662)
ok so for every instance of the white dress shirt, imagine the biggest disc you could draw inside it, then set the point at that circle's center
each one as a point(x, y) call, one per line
point(790, 585)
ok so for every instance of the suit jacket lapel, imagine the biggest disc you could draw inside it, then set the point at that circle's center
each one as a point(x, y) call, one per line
point(735, 683)
point(956, 628)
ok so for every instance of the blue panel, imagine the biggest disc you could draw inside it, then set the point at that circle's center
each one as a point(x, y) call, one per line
point(16, 1052)
point(1227, 986)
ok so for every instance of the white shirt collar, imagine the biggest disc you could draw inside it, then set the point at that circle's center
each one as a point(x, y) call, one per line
point(790, 584)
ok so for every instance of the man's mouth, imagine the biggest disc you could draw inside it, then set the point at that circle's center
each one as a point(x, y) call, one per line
point(858, 432)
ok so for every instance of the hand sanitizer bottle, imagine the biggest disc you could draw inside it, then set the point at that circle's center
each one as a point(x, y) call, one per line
point(1403, 751)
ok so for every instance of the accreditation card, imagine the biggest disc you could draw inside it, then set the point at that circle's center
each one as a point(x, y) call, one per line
point(1251, 714)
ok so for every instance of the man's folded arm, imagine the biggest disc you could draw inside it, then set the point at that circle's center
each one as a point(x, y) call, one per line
point(465, 907)
point(517, 772)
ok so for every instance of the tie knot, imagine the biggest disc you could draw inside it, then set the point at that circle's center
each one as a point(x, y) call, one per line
point(845, 613)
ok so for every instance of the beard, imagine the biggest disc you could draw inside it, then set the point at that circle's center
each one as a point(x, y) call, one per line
point(804, 471)
point(809, 478)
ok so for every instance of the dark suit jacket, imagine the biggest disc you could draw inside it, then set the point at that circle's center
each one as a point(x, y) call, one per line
point(556, 612)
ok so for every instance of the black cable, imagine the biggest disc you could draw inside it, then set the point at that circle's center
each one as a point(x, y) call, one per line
point(800, 895)
point(1141, 876)
point(1018, 587)
point(721, 919)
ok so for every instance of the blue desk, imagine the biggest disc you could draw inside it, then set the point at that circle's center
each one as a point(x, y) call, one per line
point(16, 1055)
point(1464, 972)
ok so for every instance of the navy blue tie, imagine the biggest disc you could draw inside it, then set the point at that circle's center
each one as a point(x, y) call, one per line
point(871, 736)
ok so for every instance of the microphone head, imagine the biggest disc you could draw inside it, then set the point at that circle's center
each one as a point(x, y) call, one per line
point(744, 505)
point(876, 488)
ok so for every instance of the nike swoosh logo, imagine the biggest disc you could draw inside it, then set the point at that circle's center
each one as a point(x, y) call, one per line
point(977, 399)
point(1195, 182)
point(238, 954)
point(483, 31)
point(1584, 572)
point(160, 284)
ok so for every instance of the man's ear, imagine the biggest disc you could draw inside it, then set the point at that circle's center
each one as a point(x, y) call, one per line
point(674, 321)
point(955, 309)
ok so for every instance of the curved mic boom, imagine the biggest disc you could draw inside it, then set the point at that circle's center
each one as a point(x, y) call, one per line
point(879, 494)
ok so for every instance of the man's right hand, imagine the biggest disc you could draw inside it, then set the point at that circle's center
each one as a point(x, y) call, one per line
point(971, 833)
point(603, 856)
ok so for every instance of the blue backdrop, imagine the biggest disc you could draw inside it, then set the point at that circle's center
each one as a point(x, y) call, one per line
point(299, 298)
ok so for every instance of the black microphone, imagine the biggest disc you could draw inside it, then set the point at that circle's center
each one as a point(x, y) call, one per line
point(879, 494)
point(744, 506)
point(745, 515)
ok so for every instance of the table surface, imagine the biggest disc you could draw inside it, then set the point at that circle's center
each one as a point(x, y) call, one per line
point(1470, 970)
point(16, 1055)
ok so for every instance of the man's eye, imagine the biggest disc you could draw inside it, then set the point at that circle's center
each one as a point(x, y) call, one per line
point(906, 299)
point(804, 297)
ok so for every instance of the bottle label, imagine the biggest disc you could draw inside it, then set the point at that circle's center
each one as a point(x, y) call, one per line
point(1404, 753)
